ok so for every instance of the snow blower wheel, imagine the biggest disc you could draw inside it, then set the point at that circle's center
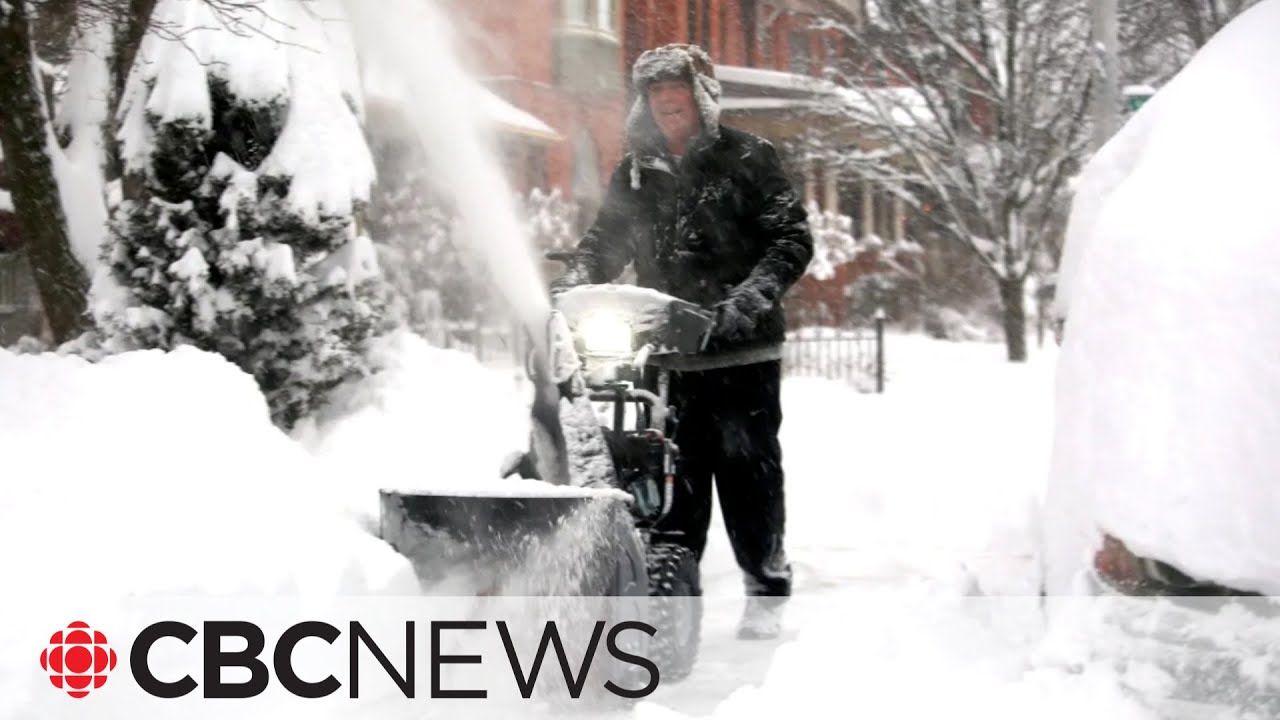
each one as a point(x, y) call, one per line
point(677, 609)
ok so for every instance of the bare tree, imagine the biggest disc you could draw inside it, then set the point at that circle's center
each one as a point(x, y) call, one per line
point(1158, 37)
point(26, 138)
point(1201, 19)
point(975, 114)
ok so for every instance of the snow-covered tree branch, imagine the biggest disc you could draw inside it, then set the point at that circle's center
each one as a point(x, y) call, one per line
point(238, 237)
point(974, 114)
point(62, 145)
point(834, 242)
point(1158, 37)
point(162, 166)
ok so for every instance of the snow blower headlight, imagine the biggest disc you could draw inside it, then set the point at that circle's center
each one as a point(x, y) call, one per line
point(606, 334)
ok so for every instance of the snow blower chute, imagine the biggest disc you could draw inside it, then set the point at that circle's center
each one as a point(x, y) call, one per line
point(578, 516)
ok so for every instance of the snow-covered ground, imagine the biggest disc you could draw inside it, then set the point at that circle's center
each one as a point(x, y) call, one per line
point(909, 501)
point(147, 474)
point(912, 529)
point(163, 474)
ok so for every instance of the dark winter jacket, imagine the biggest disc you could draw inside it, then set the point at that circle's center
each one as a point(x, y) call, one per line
point(722, 225)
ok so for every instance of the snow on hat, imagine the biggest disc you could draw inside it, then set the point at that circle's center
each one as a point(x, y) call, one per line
point(675, 61)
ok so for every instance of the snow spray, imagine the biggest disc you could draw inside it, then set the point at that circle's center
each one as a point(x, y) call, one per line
point(411, 40)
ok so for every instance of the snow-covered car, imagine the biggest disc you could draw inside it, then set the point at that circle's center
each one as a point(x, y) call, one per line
point(1165, 479)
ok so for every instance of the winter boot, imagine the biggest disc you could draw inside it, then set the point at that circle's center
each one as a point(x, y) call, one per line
point(761, 618)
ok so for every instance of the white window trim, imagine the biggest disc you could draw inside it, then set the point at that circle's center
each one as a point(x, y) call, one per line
point(605, 19)
point(600, 16)
point(575, 18)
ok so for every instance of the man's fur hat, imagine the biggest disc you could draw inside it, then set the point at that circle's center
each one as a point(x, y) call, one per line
point(670, 62)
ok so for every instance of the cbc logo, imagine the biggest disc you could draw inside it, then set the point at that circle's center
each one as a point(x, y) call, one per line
point(78, 659)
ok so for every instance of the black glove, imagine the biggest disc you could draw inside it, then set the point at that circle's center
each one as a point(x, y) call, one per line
point(737, 315)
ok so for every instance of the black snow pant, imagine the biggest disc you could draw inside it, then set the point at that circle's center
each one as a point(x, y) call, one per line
point(728, 421)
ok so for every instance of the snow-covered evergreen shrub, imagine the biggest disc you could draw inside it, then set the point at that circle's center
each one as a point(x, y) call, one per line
point(437, 281)
point(228, 232)
point(834, 242)
point(549, 219)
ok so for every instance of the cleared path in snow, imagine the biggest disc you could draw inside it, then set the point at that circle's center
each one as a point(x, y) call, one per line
point(928, 487)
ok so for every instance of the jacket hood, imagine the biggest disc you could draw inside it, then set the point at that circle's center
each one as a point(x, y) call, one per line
point(676, 61)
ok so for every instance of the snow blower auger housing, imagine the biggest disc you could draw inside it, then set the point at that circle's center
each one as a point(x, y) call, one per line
point(603, 456)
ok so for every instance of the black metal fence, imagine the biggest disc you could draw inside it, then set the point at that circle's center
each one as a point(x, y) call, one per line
point(854, 356)
point(492, 344)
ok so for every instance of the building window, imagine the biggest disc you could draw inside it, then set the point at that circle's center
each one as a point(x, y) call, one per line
point(604, 16)
point(798, 47)
point(636, 28)
point(587, 39)
point(760, 39)
point(726, 21)
point(536, 168)
point(599, 15)
point(575, 12)
point(699, 22)
point(588, 184)
point(833, 53)
point(705, 33)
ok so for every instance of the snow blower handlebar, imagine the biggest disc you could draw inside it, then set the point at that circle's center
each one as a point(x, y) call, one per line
point(616, 320)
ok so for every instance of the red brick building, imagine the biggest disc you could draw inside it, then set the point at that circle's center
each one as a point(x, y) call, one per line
point(561, 62)
point(558, 74)
point(566, 63)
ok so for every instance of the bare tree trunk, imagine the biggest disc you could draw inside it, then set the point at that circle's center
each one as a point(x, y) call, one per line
point(24, 133)
point(1013, 309)
point(129, 32)
point(1106, 102)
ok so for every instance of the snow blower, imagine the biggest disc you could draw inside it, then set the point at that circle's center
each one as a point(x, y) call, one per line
point(578, 516)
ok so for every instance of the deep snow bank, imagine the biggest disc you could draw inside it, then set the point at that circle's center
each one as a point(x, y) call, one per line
point(1168, 396)
point(154, 473)
point(169, 457)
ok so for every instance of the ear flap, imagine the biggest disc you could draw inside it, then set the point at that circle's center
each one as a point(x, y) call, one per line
point(706, 92)
point(639, 128)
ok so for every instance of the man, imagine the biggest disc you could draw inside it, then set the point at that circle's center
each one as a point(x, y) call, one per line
point(706, 214)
